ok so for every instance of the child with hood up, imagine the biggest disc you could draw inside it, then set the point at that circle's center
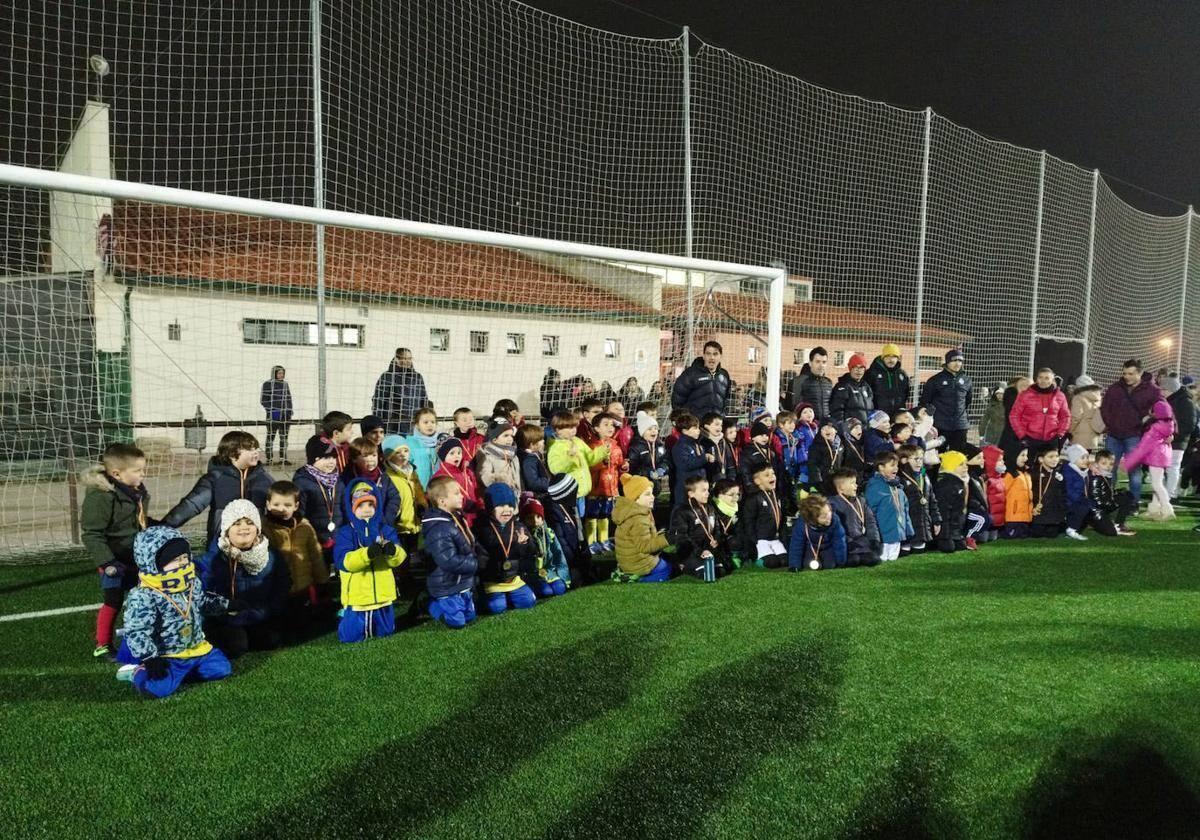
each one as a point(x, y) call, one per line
point(638, 543)
point(164, 643)
point(453, 465)
point(366, 551)
point(276, 400)
point(240, 564)
point(994, 472)
point(1154, 452)
point(365, 465)
point(1018, 497)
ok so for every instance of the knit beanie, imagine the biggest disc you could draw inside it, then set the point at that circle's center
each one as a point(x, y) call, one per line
point(531, 506)
point(317, 448)
point(951, 461)
point(645, 422)
point(633, 486)
point(1169, 384)
point(1187, 381)
point(239, 509)
point(951, 355)
point(391, 443)
point(500, 494)
point(447, 446)
point(498, 427)
point(171, 549)
point(877, 418)
point(1084, 381)
point(360, 494)
point(759, 428)
point(889, 350)
point(757, 413)
point(1074, 453)
point(369, 424)
point(857, 360)
point(562, 487)
point(969, 451)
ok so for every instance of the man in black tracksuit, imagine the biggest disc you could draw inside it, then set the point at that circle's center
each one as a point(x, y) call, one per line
point(704, 386)
point(812, 386)
point(889, 383)
point(947, 396)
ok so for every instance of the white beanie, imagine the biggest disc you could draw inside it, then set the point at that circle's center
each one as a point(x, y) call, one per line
point(1084, 381)
point(239, 509)
point(645, 422)
point(1074, 453)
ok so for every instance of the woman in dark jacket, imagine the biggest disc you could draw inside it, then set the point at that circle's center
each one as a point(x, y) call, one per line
point(1008, 438)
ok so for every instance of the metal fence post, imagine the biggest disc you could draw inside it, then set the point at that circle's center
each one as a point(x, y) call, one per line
point(916, 380)
point(1091, 261)
point(319, 203)
point(1037, 261)
point(1187, 253)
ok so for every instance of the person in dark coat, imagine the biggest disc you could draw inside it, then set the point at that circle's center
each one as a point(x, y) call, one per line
point(704, 386)
point(694, 531)
point(553, 394)
point(399, 392)
point(1049, 495)
point(812, 386)
point(1185, 424)
point(1008, 438)
point(824, 456)
point(1125, 407)
point(863, 542)
point(952, 493)
point(631, 395)
point(233, 473)
point(762, 521)
point(947, 396)
point(889, 383)
point(852, 395)
point(276, 400)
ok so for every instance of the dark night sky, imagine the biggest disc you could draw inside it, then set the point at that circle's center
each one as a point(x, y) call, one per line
point(1101, 84)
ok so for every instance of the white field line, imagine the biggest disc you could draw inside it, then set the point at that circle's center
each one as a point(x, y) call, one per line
point(47, 613)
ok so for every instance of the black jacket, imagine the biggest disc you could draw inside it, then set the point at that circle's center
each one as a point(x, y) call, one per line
point(644, 459)
point(222, 484)
point(922, 505)
point(399, 392)
point(318, 505)
point(694, 528)
point(889, 386)
point(1104, 498)
point(760, 519)
point(752, 457)
point(947, 396)
point(699, 391)
point(814, 390)
point(506, 556)
point(851, 399)
point(823, 458)
point(725, 462)
point(862, 531)
point(854, 457)
point(952, 498)
point(977, 501)
point(1185, 417)
point(1049, 492)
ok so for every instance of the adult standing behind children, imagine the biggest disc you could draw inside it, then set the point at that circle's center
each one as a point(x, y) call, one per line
point(704, 386)
point(947, 396)
point(276, 400)
point(852, 396)
point(399, 392)
point(888, 381)
point(1125, 408)
point(1040, 416)
point(812, 386)
point(1087, 426)
point(1185, 422)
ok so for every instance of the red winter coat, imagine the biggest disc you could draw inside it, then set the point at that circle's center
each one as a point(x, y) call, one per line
point(1040, 415)
point(996, 495)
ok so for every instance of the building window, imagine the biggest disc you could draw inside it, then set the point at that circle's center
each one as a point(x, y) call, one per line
point(612, 348)
point(173, 332)
point(799, 357)
point(839, 358)
point(479, 341)
point(439, 340)
point(753, 354)
point(549, 345)
point(583, 351)
point(299, 333)
point(930, 362)
point(802, 292)
point(514, 344)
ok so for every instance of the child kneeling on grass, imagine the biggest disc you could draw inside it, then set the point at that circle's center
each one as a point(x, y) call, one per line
point(366, 550)
point(695, 531)
point(505, 543)
point(451, 546)
point(818, 538)
point(294, 541)
point(858, 520)
point(550, 574)
point(240, 564)
point(638, 544)
point(163, 629)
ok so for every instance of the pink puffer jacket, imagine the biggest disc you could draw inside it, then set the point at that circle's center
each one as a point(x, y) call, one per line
point(1154, 449)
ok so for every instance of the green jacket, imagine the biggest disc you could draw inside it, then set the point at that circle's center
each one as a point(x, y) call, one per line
point(109, 519)
point(638, 542)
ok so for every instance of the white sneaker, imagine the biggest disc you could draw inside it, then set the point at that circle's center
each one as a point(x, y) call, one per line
point(1075, 535)
point(125, 673)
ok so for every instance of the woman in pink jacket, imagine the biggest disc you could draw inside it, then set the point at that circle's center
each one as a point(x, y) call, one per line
point(1040, 414)
point(1154, 452)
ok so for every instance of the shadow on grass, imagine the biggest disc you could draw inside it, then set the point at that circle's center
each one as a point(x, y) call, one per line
point(913, 802)
point(1054, 640)
point(733, 716)
point(1122, 787)
point(517, 711)
point(46, 581)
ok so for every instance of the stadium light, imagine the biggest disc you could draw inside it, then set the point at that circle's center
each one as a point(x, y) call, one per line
point(1165, 343)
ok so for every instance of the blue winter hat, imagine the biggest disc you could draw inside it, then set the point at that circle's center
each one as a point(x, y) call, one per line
point(876, 418)
point(956, 353)
point(500, 494)
point(391, 443)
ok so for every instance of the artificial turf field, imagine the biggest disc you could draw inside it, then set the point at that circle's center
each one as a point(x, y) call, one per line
point(1033, 689)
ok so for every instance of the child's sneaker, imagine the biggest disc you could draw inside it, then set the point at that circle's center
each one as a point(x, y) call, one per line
point(125, 673)
point(595, 548)
point(104, 652)
point(1125, 532)
point(609, 545)
point(971, 544)
point(1075, 535)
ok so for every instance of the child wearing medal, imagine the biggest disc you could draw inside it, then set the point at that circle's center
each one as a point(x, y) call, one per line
point(318, 480)
point(506, 549)
point(696, 533)
point(1049, 495)
point(922, 504)
point(451, 547)
point(762, 520)
point(863, 542)
point(366, 552)
point(294, 541)
point(454, 465)
point(818, 538)
point(889, 503)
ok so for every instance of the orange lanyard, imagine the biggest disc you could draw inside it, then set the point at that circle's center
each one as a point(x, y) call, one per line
point(766, 455)
point(701, 517)
point(182, 613)
point(816, 550)
point(466, 532)
point(850, 443)
point(770, 494)
point(1042, 486)
point(857, 507)
point(505, 548)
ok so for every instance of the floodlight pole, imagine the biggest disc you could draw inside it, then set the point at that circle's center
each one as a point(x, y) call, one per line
point(916, 380)
point(1091, 261)
point(1187, 253)
point(690, 332)
point(1037, 261)
point(319, 203)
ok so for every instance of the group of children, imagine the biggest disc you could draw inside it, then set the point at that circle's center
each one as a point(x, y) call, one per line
point(518, 513)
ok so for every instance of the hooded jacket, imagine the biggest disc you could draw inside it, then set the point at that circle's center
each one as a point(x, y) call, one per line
point(889, 386)
point(1154, 449)
point(811, 542)
point(700, 391)
point(851, 399)
point(1077, 487)
point(222, 484)
point(295, 543)
point(814, 390)
point(1040, 414)
point(1018, 497)
point(889, 503)
point(276, 397)
point(991, 424)
point(993, 456)
point(450, 544)
point(638, 543)
point(111, 517)
point(1185, 417)
point(1124, 410)
point(367, 582)
point(947, 396)
point(163, 613)
point(823, 458)
point(399, 392)
point(1087, 426)
point(465, 478)
point(263, 595)
point(923, 509)
point(406, 487)
point(387, 497)
point(952, 498)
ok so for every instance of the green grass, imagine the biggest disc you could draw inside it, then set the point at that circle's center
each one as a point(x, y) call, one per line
point(1038, 689)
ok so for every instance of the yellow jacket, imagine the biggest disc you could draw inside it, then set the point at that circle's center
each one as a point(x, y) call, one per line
point(575, 458)
point(407, 521)
point(367, 584)
point(638, 542)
